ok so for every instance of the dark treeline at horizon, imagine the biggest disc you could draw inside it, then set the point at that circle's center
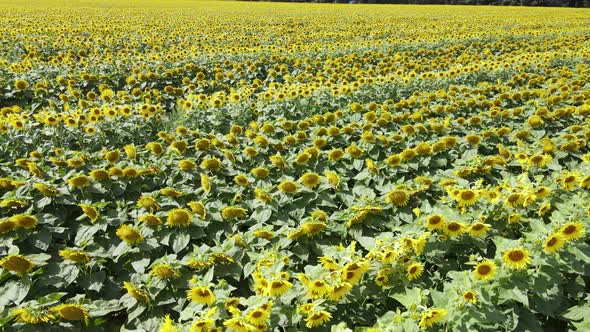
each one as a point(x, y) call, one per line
point(541, 3)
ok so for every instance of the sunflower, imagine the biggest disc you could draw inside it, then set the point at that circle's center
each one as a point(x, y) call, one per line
point(572, 231)
point(485, 270)
point(17, 264)
point(338, 291)
point(90, 211)
point(431, 317)
point(75, 256)
point(129, 234)
point(310, 180)
point(201, 294)
point(311, 228)
point(470, 296)
point(585, 182)
point(7, 226)
point(317, 289)
point(394, 160)
point(514, 200)
point(163, 271)
point(435, 221)
point(279, 287)
point(99, 174)
point(21, 85)
point(168, 325)
point(354, 151)
point(553, 243)
point(317, 318)
point(25, 221)
point(148, 203)
point(262, 195)
point(399, 197)
point(516, 258)
point(136, 293)
point(198, 207)
point(260, 172)
point(32, 316)
point(539, 160)
point(186, 165)
point(150, 219)
point(454, 228)
point(241, 180)
point(333, 178)
point(72, 312)
point(335, 154)
point(79, 181)
point(45, 189)
point(205, 183)
point(414, 271)
point(233, 212)
point(288, 186)
point(258, 317)
point(179, 218)
point(479, 229)
point(466, 197)
point(211, 164)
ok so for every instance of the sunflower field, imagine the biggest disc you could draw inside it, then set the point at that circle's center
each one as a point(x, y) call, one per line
point(220, 166)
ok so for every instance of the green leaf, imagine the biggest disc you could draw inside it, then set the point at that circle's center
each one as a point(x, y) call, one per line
point(180, 241)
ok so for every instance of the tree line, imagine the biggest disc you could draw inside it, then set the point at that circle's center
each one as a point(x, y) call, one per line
point(543, 3)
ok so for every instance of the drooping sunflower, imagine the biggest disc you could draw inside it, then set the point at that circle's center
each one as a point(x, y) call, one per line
point(241, 180)
point(311, 228)
point(398, 197)
point(516, 258)
point(72, 312)
point(150, 219)
point(32, 316)
point(335, 155)
point(310, 180)
point(79, 181)
point(288, 186)
point(317, 318)
point(414, 271)
point(485, 270)
point(205, 182)
point(201, 294)
point(333, 178)
point(17, 264)
point(211, 164)
point(75, 256)
point(90, 211)
point(179, 218)
point(129, 234)
point(233, 212)
point(25, 221)
point(136, 293)
point(431, 317)
point(46, 189)
point(163, 271)
point(572, 231)
point(260, 172)
point(198, 207)
point(186, 165)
